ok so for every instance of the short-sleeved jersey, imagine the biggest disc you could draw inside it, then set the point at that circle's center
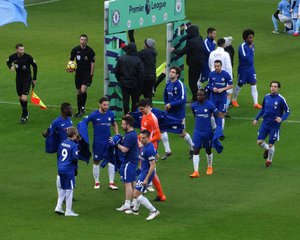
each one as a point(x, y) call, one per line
point(67, 156)
point(130, 141)
point(273, 106)
point(102, 123)
point(219, 80)
point(84, 57)
point(246, 57)
point(175, 95)
point(150, 123)
point(22, 65)
point(202, 113)
point(60, 126)
point(147, 155)
point(284, 7)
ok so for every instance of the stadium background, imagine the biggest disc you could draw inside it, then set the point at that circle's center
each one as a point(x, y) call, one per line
point(242, 200)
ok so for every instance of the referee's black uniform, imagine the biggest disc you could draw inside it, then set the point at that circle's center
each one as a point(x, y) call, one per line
point(84, 58)
point(23, 76)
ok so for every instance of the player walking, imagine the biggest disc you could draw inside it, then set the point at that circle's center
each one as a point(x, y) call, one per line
point(246, 71)
point(203, 132)
point(21, 62)
point(85, 59)
point(175, 101)
point(150, 123)
point(274, 111)
point(148, 159)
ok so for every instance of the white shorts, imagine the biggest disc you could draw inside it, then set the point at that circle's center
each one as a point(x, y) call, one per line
point(286, 20)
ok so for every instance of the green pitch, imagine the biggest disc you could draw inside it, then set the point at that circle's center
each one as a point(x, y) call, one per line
point(242, 200)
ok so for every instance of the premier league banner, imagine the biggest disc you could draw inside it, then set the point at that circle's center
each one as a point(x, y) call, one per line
point(133, 14)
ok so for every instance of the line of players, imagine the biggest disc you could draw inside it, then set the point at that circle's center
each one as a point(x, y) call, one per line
point(288, 13)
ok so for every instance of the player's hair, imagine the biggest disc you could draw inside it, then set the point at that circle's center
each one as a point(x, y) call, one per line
point(278, 83)
point(72, 131)
point(128, 119)
point(218, 61)
point(210, 30)
point(145, 102)
point(83, 35)
point(146, 132)
point(64, 106)
point(177, 69)
point(201, 90)
point(247, 33)
point(103, 99)
point(221, 42)
point(19, 45)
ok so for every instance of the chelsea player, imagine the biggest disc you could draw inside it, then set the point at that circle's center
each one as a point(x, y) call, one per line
point(175, 101)
point(274, 111)
point(219, 82)
point(203, 132)
point(246, 70)
point(67, 165)
point(129, 156)
point(148, 159)
point(102, 120)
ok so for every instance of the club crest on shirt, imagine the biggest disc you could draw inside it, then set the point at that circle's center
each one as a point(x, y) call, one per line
point(78, 57)
point(109, 119)
point(205, 110)
point(276, 103)
point(223, 79)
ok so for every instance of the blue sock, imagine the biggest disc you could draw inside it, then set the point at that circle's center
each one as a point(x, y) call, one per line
point(274, 20)
point(297, 25)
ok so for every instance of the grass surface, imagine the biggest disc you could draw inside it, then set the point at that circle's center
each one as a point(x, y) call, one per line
point(242, 200)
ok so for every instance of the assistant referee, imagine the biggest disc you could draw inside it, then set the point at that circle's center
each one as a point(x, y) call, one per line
point(20, 62)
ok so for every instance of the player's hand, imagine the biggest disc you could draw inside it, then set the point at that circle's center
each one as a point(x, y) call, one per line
point(168, 106)
point(278, 119)
point(12, 68)
point(255, 122)
point(45, 134)
point(172, 49)
point(291, 10)
point(215, 90)
point(33, 83)
point(145, 182)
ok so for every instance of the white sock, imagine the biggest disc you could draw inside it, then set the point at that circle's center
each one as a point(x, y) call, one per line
point(223, 123)
point(127, 204)
point(69, 200)
point(196, 161)
point(58, 187)
point(165, 140)
point(236, 92)
point(111, 172)
point(254, 94)
point(213, 122)
point(146, 203)
point(96, 172)
point(209, 159)
point(61, 198)
point(136, 204)
point(264, 145)
point(271, 153)
point(189, 140)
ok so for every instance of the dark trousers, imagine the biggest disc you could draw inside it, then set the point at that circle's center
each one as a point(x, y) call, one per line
point(134, 93)
point(148, 86)
point(194, 75)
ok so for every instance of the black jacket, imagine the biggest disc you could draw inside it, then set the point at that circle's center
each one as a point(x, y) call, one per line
point(193, 48)
point(148, 56)
point(129, 70)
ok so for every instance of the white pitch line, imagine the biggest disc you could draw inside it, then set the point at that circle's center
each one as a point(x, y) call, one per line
point(41, 3)
point(189, 115)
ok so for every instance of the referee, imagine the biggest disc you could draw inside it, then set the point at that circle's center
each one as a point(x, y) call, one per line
point(20, 62)
point(85, 59)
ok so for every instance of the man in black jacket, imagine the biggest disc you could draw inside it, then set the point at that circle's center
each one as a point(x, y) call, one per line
point(194, 57)
point(129, 72)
